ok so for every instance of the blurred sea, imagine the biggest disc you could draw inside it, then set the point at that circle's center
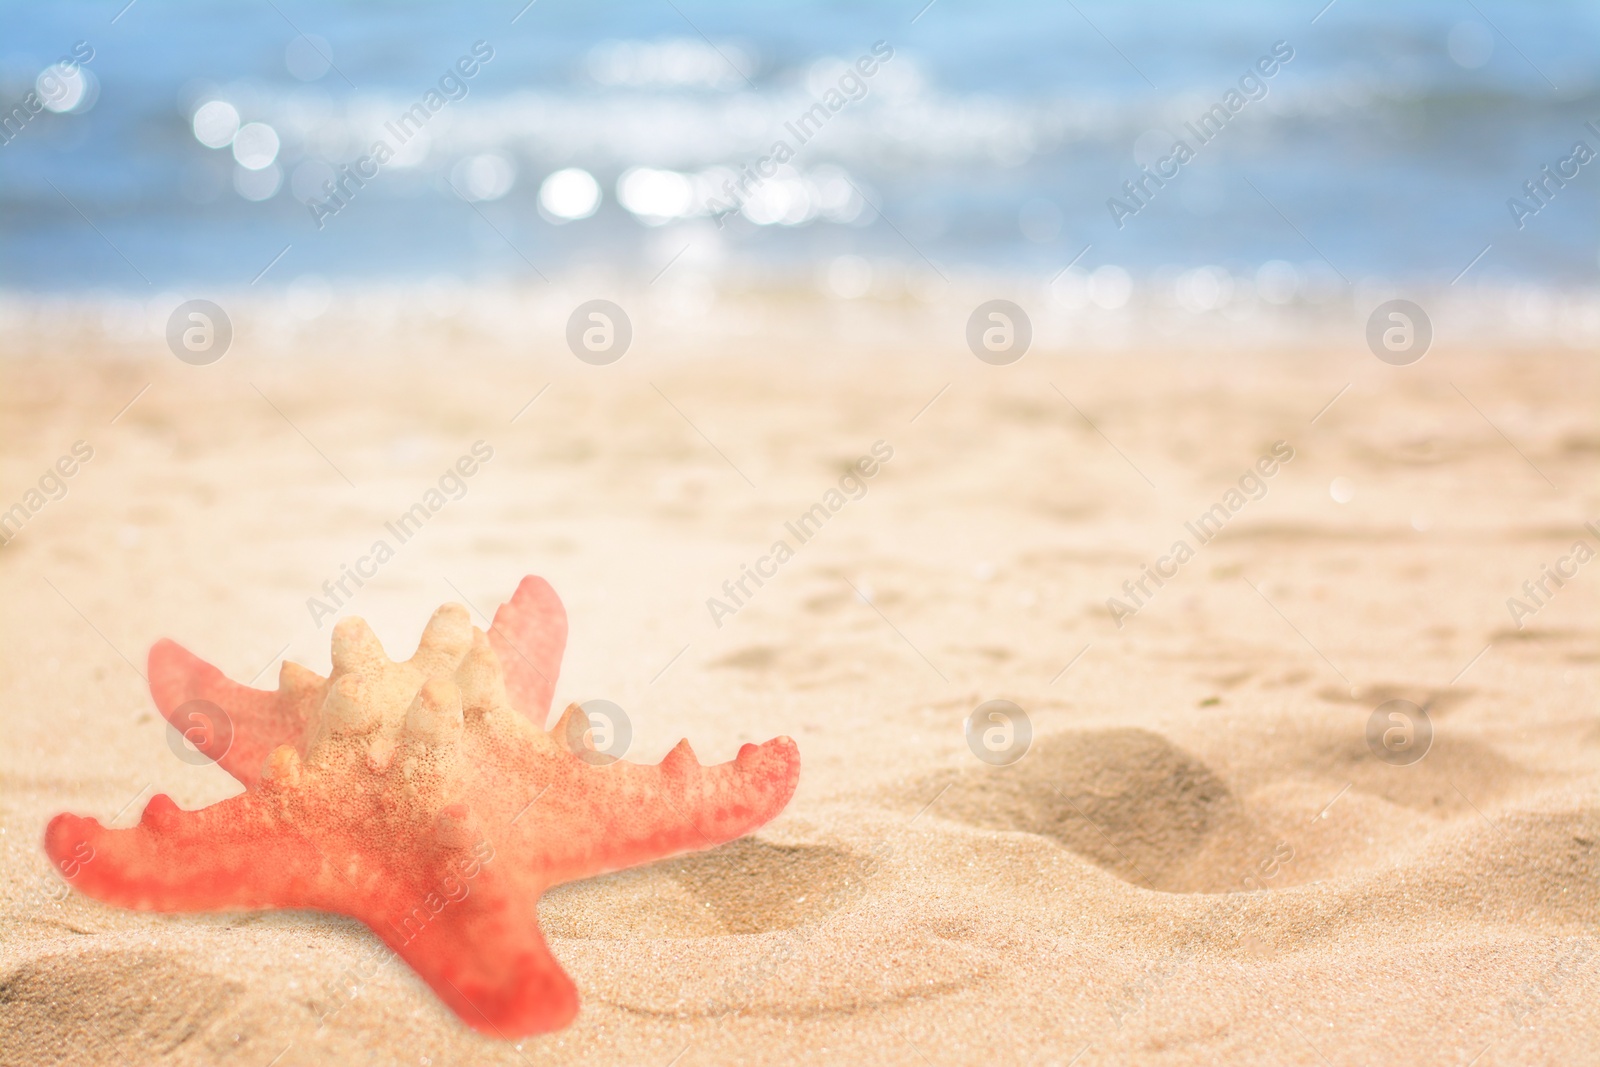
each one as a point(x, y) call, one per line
point(990, 143)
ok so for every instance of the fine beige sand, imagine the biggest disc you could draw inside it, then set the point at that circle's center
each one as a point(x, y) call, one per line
point(1198, 861)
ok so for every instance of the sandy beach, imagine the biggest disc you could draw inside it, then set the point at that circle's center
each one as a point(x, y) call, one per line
point(1198, 860)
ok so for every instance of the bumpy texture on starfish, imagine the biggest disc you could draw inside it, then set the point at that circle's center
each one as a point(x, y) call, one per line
point(425, 799)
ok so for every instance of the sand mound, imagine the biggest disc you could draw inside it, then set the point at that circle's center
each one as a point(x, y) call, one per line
point(1529, 869)
point(1456, 774)
point(747, 886)
point(109, 1006)
point(869, 945)
point(1125, 799)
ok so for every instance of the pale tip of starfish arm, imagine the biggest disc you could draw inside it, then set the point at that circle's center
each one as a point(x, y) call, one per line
point(573, 723)
point(297, 680)
point(436, 713)
point(347, 709)
point(356, 647)
point(481, 681)
point(445, 640)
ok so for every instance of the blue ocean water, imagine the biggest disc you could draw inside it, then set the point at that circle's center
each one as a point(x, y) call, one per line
point(1390, 143)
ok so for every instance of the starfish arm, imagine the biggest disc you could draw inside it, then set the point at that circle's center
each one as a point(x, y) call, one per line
point(479, 948)
point(233, 855)
point(605, 818)
point(529, 635)
point(255, 722)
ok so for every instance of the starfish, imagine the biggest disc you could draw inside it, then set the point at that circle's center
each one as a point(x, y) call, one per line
point(423, 798)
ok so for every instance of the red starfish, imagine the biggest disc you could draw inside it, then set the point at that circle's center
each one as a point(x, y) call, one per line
point(423, 798)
